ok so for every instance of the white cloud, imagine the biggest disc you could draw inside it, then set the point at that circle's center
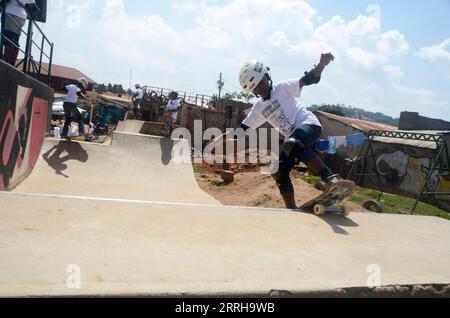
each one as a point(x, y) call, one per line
point(278, 39)
point(438, 54)
point(365, 58)
point(359, 41)
point(331, 89)
point(415, 92)
point(392, 43)
point(394, 71)
point(372, 87)
point(311, 48)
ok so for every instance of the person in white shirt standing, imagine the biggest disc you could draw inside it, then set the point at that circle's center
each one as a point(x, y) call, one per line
point(70, 105)
point(137, 99)
point(172, 108)
point(300, 127)
point(14, 21)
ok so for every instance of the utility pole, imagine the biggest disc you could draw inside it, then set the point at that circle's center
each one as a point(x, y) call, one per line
point(131, 76)
point(131, 79)
point(220, 83)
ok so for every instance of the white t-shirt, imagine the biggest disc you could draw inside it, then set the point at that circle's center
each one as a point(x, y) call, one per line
point(139, 93)
point(282, 111)
point(173, 104)
point(72, 91)
point(19, 11)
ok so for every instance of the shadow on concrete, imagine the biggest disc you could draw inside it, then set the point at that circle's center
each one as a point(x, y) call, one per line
point(63, 152)
point(335, 221)
point(338, 223)
point(166, 145)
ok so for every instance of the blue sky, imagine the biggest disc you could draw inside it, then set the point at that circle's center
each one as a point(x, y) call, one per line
point(390, 55)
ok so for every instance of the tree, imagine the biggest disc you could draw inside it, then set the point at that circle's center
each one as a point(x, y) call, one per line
point(246, 96)
point(100, 88)
point(230, 96)
point(331, 109)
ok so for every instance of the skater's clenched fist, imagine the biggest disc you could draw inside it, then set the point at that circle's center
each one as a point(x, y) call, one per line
point(326, 58)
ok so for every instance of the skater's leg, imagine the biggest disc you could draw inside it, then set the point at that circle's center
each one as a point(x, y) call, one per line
point(68, 118)
point(11, 53)
point(79, 118)
point(12, 32)
point(284, 182)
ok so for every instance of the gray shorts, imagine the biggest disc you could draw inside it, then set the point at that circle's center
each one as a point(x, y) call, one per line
point(14, 24)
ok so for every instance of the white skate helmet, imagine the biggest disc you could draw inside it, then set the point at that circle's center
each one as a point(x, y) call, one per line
point(251, 74)
point(83, 82)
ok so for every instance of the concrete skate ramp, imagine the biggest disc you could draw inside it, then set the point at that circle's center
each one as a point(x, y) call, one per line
point(130, 126)
point(126, 248)
point(97, 213)
point(134, 167)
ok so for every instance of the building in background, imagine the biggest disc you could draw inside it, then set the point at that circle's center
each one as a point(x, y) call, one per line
point(61, 74)
point(413, 121)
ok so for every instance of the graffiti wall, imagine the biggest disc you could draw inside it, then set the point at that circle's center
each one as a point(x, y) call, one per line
point(24, 119)
point(404, 169)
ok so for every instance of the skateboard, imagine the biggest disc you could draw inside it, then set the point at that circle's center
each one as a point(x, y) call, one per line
point(82, 137)
point(335, 196)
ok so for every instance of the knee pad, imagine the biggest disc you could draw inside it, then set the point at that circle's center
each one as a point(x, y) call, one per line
point(293, 148)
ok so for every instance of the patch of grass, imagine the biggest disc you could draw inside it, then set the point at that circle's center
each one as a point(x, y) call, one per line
point(310, 179)
point(396, 204)
point(391, 203)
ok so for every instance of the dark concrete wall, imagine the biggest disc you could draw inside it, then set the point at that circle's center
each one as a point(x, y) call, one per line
point(413, 121)
point(25, 105)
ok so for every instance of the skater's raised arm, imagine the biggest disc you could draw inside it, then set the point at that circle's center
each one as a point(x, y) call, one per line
point(314, 76)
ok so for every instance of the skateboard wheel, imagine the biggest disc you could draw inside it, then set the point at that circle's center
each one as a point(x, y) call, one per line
point(345, 210)
point(319, 209)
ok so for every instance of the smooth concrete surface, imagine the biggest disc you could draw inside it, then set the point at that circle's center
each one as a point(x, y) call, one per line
point(133, 167)
point(125, 243)
point(157, 249)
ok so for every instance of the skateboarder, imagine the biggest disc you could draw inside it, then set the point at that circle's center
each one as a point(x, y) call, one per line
point(70, 105)
point(300, 127)
point(172, 108)
point(137, 99)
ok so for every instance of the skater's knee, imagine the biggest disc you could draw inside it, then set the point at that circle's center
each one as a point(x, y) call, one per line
point(293, 147)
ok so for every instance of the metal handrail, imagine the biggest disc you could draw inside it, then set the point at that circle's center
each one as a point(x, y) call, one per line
point(197, 99)
point(30, 66)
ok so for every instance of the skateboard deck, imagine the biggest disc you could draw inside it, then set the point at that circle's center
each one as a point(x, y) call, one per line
point(335, 196)
point(82, 137)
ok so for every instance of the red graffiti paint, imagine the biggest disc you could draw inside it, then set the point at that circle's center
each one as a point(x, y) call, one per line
point(20, 159)
point(9, 123)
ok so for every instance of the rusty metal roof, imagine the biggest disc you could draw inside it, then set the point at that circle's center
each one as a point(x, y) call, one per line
point(65, 72)
point(363, 125)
